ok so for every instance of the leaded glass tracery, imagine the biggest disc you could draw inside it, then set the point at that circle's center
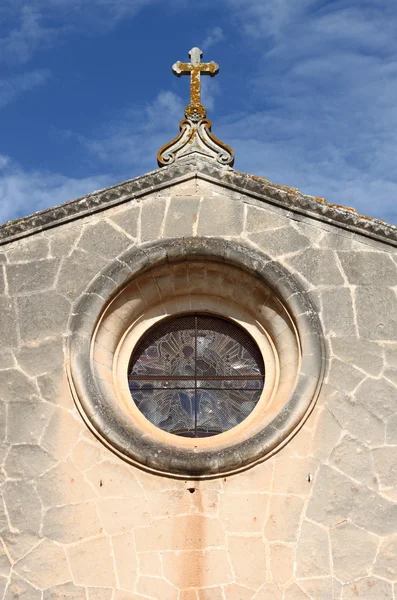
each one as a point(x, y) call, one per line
point(196, 375)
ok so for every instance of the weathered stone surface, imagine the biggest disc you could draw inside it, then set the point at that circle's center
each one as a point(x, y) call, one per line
point(64, 484)
point(77, 271)
point(295, 593)
point(337, 312)
point(370, 588)
point(54, 388)
point(369, 268)
point(34, 566)
point(236, 592)
point(23, 506)
point(386, 560)
point(243, 537)
point(391, 430)
point(26, 421)
point(97, 593)
point(25, 278)
point(284, 516)
point(61, 434)
point(333, 497)
point(243, 512)
point(123, 514)
point(26, 461)
point(42, 315)
point(3, 422)
point(319, 588)
point(126, 562)
point(379, 396)
point(182, 217)
point(31, 248)
point(281, 563)
point(71, 523)
point(361, 423)
point(263, 219)
point(197, 568)
point(280, 241)
point(128, 220)
point(150, 586)
point(91, 563)
point(103, 239)
point(2, 281)
point(37, 358)
point(269, 592)
point(291, 475)
point(63, 240)
point(354, 459)
point(319, 267)
point(344, 377)
point(16, 386)
point(67, 591)
point(192, 532)
point(249, 571)
point(19, 589)
point(327, 433)
point(381, 323)
point(386, 465)
point(114, 480)
point(7, 360)
point(152, 217)
point(231, 212)
point(8, 332)
point(5, 563)
point(364, 354)
point(313, 557)
point(350, 565)
point(19, 544)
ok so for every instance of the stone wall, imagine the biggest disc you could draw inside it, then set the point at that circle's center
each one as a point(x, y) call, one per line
point(316, 521)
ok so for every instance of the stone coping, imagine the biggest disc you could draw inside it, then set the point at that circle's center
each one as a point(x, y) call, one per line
point(118, 432)
point(183, 170)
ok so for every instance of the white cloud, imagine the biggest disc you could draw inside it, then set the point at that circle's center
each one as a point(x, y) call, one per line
point(21, 40)
point(12, 87)
point(23, 192)
point(214, 36)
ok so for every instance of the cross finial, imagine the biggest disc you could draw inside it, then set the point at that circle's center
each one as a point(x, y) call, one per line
point(195, 110)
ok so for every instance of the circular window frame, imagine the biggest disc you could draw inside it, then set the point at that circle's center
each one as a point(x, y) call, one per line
point(134, 334)
point(96, 388)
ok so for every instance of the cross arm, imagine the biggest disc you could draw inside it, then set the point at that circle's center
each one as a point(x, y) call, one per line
point(181, 68)
point(211, 68)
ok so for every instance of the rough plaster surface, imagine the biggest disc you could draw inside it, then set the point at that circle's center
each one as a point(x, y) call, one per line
point(318, 521)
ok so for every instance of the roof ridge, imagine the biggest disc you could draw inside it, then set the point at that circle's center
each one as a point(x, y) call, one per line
point(197, 166)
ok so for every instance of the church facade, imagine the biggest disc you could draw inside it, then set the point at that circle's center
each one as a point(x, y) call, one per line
point(198, 389)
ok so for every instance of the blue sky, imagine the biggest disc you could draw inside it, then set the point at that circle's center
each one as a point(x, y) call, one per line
point(306, 94)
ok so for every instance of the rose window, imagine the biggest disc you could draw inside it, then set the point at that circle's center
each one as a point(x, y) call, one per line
point(196, 375)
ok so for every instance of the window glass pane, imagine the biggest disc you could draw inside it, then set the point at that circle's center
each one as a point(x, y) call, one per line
point(196, 375)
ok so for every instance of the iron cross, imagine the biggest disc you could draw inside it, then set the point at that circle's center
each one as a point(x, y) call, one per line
point(195, 69)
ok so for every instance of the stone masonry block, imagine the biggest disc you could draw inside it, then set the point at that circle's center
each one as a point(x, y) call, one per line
point(319, 267)
point(348, 564)
point(41, 315)
point(376, 314)
point(337, 312)
point(77, 271)
point(103, 239)
point(25, 278)
point(128, 220)
point(182, 217)
point(220, 216)
point(369, 268)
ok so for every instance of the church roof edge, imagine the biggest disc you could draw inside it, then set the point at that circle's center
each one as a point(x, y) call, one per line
point(257, 187)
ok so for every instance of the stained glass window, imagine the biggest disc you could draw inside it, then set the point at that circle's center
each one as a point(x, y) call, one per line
point(196, 375)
